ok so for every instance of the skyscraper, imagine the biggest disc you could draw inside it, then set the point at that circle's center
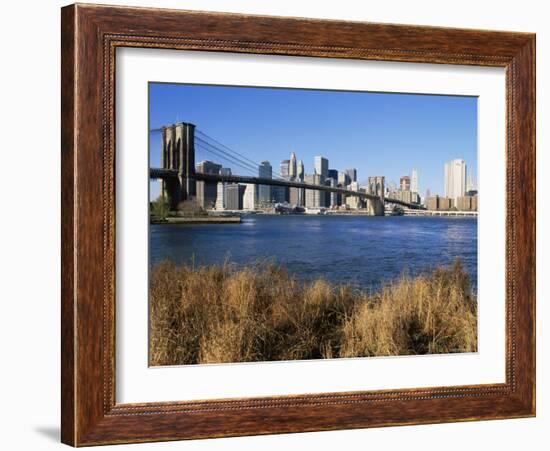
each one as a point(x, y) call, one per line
point(470, 184)
point(284, 169)
point(207, 191)
point(455, 179)
point(343, 179)
point(320, 164)
point(280, 193)
point(292, 166)
point(352, 174)
point(265, 172)
point(300, 170)
point(405, 183)
point(249, 197)
point(314, 197)
point(414, 181)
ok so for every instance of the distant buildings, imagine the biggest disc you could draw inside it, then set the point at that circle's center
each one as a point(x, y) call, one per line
point(292, 167)
point(455, 179)
point(280, 194)
point(414, 181)
point(314, 198)
point(343, 179)
point(234, 196)
point(264, 191)
point(320, 165)
point(352, 174)
point(250, 198)
point(207, 191)
point(405, 183)
point(462, 203)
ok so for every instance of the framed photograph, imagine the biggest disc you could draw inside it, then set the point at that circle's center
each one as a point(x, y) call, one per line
point(279, 225)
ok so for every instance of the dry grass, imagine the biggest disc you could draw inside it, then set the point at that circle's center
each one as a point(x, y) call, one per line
point(221, 314)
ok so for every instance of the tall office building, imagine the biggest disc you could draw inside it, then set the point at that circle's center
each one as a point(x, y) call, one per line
point(265, 172)
point(220, 196)
point(300, 170)
point(405, 183)
point(455, 179)
point(353, 201)
point(470, 184)
point(280, 193)
point(352, 174)
point(343, 179)
point(314, 197)
point(297, 195)
point(331, 198)
point(292, 169)
point(320, 164)
point(207, 191)
point(234, 194)
point(249, 197)
point(414, 181)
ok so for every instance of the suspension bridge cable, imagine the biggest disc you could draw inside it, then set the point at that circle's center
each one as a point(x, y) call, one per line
point(228, 149)
point(225, 157)
point(228, 154)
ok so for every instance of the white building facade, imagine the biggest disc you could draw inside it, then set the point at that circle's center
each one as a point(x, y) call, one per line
point(455, 179)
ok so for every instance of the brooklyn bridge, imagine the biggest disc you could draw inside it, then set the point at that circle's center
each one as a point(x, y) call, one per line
point(178, 173)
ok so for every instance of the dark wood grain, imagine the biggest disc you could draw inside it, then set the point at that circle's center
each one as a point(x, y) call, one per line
point(90, 36)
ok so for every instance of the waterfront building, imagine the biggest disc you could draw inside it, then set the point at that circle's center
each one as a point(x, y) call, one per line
point(250, 196)
point(466, 203)
point(220, 196)
point(206, 192)
point(414, 181)
point(320, 164)
point(331, 198)
point(408, 196)
point(352, 174)
point(314, 197)
point(405, 183)
point(439, 203)
point(265, 172)
point(234, 194)
point(280, 193)
point(353, 202)
point(296, 197)
point(455, 179)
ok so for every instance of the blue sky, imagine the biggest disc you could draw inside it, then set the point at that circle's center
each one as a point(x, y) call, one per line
point(376, 133)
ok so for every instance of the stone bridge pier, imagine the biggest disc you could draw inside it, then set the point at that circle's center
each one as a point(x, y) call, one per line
point(178, 153)
point(376, 187)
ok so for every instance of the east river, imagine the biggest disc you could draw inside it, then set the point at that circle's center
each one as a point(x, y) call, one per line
point(362, 250)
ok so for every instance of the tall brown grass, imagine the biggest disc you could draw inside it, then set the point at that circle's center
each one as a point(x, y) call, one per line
point(219, 314)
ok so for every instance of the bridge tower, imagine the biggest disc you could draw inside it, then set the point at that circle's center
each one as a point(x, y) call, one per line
point(178, 153)
point(378, 188)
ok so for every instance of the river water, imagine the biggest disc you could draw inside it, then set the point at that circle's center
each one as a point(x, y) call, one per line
point(362, 250)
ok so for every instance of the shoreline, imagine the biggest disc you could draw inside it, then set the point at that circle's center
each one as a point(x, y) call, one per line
point(198, 220)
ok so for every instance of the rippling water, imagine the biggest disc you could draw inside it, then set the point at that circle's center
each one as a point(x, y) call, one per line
point(361, 250)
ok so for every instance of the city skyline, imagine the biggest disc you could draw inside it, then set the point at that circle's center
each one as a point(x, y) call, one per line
point(448, 120)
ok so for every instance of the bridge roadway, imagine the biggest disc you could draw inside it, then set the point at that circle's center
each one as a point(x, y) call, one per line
point(159, 173)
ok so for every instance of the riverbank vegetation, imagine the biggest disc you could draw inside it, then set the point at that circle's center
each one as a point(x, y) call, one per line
point(220, 314)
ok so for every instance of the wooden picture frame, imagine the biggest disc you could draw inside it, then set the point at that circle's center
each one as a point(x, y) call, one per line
point(90, 36)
